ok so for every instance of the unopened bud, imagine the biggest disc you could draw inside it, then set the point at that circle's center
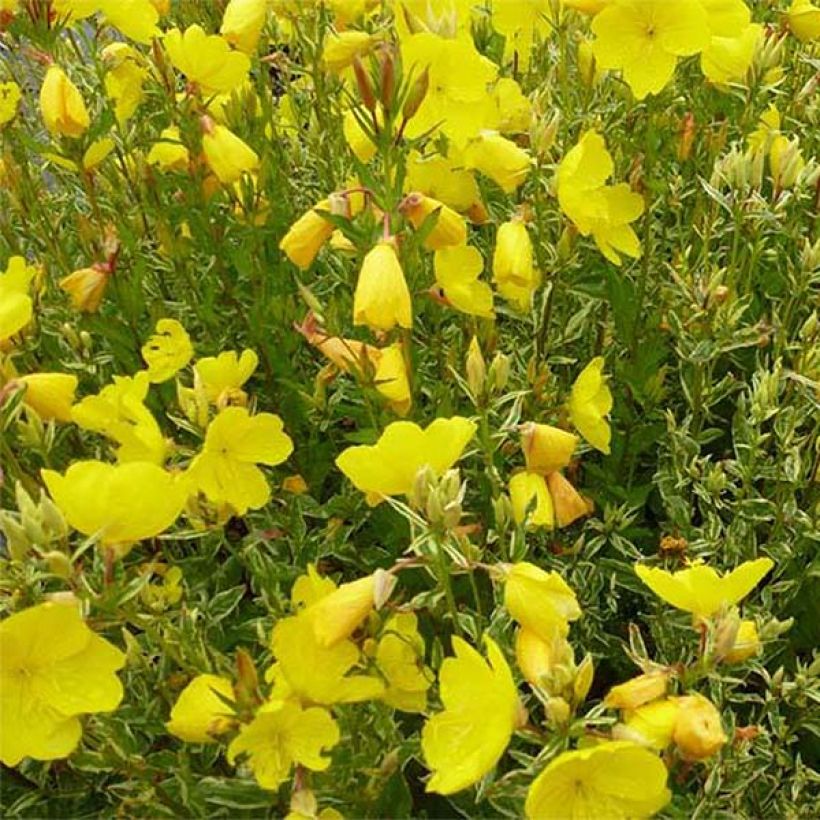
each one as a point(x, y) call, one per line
point(559, 711)
point(59, 564)
point(364, 85)
point(583, 680)
point(17, 541)
point(476, 369)
point(387, 77)
point(417, 94)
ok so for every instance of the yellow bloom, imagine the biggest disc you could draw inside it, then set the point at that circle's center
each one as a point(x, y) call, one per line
point(136, 19)
point(97, 152)
point(568, 503)
point(222, 376)
point(458, 269)
point(526, 488)
point(391, 379)
point(616, 780)
point(201, 712)
point(540, 601)
point(86, 287)
point(314, 673)
point(206, 60)
point(284, 734)
point(747, 643)
point(337, 616)
point(167, 351)
point(16, 306)
point(341, 48)
point(514, 109)
point(804, 20)
point(499, 159)
point(169, 153)
point(733, 40)
point(522, 23)
point(698, 730)
point(699, 589)
point(448, 227)
point(45, 684)
point(9, 101)
point(226, 472)
point(604, 211)
point(513, 269)
point(382, 299)
point(590, 7)
point(786, 161)
point(49, 395)
point(442, 178)
point(637, 691)
point(400, 658)
point(589, 403)
point(61, 104)
point(242, 23)
point(481, 711)
point(389, 467)
point(546, 448)
point(651, 725)
point(305, 238)
point(119, 413)
point(540, 660)
point(311, 587)
point(226, 154)
point(122, 503)
point(644, 38)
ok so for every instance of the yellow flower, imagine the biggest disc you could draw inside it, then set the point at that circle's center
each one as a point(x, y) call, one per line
point(97, 152)
point(136, 19)
point(638, 691)
point(391, 379)
point(603, 211)
point(448, 227)
point(314, 673)
point(349, 355)
point(590, 7)
point(122, 503)
point(45, 683)
point(540, 601)
point(169, 153)
point(522, 23)
point(699, 589)
point(337, 616)
point(16, 306)
point(206, 60)
point(400, 658)
point(119, 413)
point(540, 660)
point(442, 178)
point(747, 643)
point(226, 154)
point(61, 104)
point(310, 588)
point(382, 299)
point(616, 780)
point(698, 731)
point(644, 38)
point(305, 238)
point(546, 448)
point(222, 376)
point(341, 48)
point(284, 734)
point(86, 287)
point(526, 488)
point(804, 20)
point(589, 403)
point(513, 269)
point(201, 711)
point(242, 23)
point(568, 503)
point(389, 467)
point(167, 351)
point(9, 101)
point(514, 109)
point(226, 472)
point(733, 40)
point(499, 159)
point(481, 711)
point(49, 395)
point(786, 162)
point(458, 269)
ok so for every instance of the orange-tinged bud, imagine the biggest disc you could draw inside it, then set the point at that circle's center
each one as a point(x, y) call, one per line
point(305, 238)
point(417, 94)
point(338, 615)
point(449, 228)
point(698, 731)
point(86, 287)
point(687, 137)
point(638, 691)
point(546, 448)
point(569, 504)
point(61, 104)
point(364, 85)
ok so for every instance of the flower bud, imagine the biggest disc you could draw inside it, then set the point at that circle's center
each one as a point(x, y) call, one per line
point(364, 85)
point(583, 680)
point(336, 616)
point(559, 712)
point(417, 94)
point(546, 448)
point(499, 373)
point(476, 369)
point(638, 691)
point(62, 106)
point(747, 643)
point(382, 300)
point(449, 227)
point(59, 564)
point(698, 731)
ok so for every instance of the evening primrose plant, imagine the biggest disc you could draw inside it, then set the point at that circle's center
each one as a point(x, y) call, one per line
point(409, 408)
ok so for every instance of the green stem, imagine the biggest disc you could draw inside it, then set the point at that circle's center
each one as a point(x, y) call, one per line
point(444, 579)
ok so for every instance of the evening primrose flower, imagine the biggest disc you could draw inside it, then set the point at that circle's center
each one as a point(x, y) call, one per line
point(457, 269)
point(400, 658)
point(590, 402)
point(615, 779)
point(700, 590)
point(514, 271)
point(542, 661)
point(202, 710)
point(442, 178)
point(136, 19)
point(305, 238)
point(49, 395)
point(389, 467)
point(9, 101)
point(341, 48)
point(227, 155)
point(16, 305)
point(498, 158)
point(225, 471)
point(449, 227)
point(86, 286)
point(650, 724)
point(645, 38)
point(336, 616)
point(522, 23)
point(481, 711)
point(62, 106)
point(733, 40)
point(804, 20)
point(546, 448)
point(206, 60)
point(119, 503)
point(48, 683)
point(284, 734)
point(242, 23)
point(746, 645)
point(538, 600)
point(698, 732)
point(639, 690)
point(529, 492)
point(382, 299)
point(390, 378)
point(167, 351)
point(222, 376)
point(124, 78)
point(169, 152)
